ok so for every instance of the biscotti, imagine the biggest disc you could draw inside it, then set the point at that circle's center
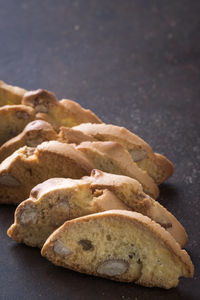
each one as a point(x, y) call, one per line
point(33, 134)
point(58, 113)
point(10, 94)
point(72, 136)
point(13, 119)
point(55, 201)
point(27, 167)
point(113, 158)
point(39, 131)
point(130, 192)
point(157, 166)
point(119, 245)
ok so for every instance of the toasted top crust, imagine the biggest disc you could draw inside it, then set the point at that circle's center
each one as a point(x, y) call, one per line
point(38, 125)
point(130, 192)
point(33, 134)
point(81, 115)
point(142, 221)
point(58, 113)
point(51, 184)
point(69, 135)
point(7, 109)
point(65, 150)
point(51, 147)
point(116, 152)
point(105, 131)
point(105, 180)
point(41, 100)
point(10, 94)
point(157, 166)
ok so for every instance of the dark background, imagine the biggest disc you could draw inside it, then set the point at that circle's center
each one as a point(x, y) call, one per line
point(135, 64)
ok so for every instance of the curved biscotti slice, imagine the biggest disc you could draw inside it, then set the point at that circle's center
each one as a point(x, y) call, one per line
point(58, 113)
point(27, 167)
point(119, 245)
point(157, 166)
point(33, 134)
point(130, 192)
point(13, 119)
point(113, 158)
point(10, 94)
point(71, 136)
point(55, 201)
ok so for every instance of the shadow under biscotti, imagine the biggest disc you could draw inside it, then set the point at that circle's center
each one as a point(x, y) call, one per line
point(40, 273)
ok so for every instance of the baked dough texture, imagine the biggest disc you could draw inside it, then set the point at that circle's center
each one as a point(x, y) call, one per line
point(119, 245)
point(33, 134)
point(57, 200)
point(113, 158)
point(13, 119)
point(157, 165)
point(10, 94)
point(53, 202)
point(131, 193)
point(28, 166)
point(58, 113)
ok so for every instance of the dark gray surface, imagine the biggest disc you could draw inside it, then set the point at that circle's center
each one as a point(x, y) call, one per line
point(136, 64)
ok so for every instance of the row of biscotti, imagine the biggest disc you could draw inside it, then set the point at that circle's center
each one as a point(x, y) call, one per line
point(120, 245)
point(102, 144)
point(28, 166)
point(43, 105)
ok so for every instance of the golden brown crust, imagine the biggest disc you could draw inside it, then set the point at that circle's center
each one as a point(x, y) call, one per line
point(131, 193)
point(114, 158)
point(159, 169)
point(27, 167)
point(78, 113)
point(10, 95)
point(13, 119)
point(53, 202)
point(109, 191)
point(71, 136)
point(167, 247)
point(33, 134)
point(58, 113)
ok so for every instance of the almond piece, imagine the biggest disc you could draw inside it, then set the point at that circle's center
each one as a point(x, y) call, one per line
point(113, 267)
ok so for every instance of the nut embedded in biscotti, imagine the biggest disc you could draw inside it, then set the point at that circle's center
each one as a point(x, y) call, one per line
point(61, 249)
point(86, 245)
point(9, 180)
point(138, 154)
point(29, 215)
point(40, 100)
point(61, 212)
point(113, 267)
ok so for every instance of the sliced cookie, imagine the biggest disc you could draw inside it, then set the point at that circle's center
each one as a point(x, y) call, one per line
point(119, 245)
point(130, 192)
point(13, 119)
point(55, 201)
point(33, 134)
point(157, 166)
point(58, 113)
point(72, 136)
point(10, 95)
point(27, 167)
point(113, 158)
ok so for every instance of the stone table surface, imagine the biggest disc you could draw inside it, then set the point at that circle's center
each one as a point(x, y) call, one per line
point(135, 64)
